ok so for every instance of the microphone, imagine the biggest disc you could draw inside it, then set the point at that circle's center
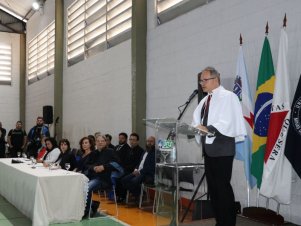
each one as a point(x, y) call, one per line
point(195, 92)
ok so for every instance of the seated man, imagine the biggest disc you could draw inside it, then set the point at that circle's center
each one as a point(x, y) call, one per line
point(99, 172)
point(144, 172)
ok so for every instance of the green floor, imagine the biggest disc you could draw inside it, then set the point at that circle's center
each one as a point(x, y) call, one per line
point(10, 216)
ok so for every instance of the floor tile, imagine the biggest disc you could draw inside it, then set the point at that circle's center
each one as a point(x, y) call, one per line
point(8, 211)
point(10, 216)
point(103, 221)
point(16, 222)
point(3, 200)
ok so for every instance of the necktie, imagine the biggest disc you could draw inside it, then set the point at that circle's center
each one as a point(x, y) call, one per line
point(204, 117)
point(205, 111)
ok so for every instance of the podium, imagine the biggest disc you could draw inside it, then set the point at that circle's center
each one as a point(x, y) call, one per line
point(169, 167)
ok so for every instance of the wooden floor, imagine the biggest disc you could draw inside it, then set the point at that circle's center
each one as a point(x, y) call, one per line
point(131, 214)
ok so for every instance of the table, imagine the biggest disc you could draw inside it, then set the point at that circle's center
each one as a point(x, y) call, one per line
point(45, 196)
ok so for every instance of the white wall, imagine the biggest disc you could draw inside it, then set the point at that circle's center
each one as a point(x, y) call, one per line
point(97, 94)
point(9, 94)
point(40, 93)
point(96, 91)
point(209, 36)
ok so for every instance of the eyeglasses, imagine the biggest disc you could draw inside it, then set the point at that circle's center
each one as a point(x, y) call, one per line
point(205, 80)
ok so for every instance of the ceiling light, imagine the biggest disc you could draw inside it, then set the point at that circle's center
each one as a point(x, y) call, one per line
point(36, 5)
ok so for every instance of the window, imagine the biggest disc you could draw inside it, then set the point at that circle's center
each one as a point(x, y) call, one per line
point(95, 25)
point(41, 54)
point(169, 9)
point(5, 64)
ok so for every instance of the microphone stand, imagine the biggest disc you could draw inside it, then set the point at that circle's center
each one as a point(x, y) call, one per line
point(182, 112)
point(170, 135)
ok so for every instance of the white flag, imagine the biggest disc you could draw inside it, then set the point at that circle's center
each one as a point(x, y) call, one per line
point(277, 173)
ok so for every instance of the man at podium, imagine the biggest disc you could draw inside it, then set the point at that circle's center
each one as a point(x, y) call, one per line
point(219, 118)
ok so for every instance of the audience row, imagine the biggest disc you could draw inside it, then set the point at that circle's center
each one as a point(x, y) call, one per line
point(124, 166)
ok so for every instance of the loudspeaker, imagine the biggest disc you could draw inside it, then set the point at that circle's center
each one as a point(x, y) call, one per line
point(48, 114)
point(203, 209)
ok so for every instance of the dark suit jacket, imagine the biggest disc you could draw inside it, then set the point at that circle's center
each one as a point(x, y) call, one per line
point(103, 157)
point(67, 157)
point(133, 159)
point(221, 146)
point(122, 153)
point(2, 139)
point(149, 164)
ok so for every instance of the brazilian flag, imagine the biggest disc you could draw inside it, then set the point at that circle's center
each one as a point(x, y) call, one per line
point(262, 111)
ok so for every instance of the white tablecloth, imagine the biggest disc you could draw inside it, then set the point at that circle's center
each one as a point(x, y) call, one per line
point(45, 196)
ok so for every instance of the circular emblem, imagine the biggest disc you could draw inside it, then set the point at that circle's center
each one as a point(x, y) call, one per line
point(262, 113)
point(296, 116)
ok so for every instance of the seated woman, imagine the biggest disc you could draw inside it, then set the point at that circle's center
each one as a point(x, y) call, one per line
point(52, 153)
point(66, 155)
point(100, 172)
point(87, 156)
point(42, 151)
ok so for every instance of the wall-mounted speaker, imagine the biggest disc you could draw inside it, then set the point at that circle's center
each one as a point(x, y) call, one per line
point(48, 114)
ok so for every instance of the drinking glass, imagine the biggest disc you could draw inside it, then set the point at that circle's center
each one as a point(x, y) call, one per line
point(31, 159)
point(34, 162)
point(67, 167)
point(18, 154)
point(50, 165)
point(165, 153)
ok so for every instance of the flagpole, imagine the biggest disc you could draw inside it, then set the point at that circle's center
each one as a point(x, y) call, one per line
point(247, 182)
point(267, 203)
point(257, 198)
point(267, 28)
point(248, 194)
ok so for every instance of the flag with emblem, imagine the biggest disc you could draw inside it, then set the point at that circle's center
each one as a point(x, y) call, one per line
point(277, 171)
point(293, 140)
point(263, 104)
point(242, 90)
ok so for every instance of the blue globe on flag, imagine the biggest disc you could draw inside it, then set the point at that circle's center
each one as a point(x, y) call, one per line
point(263, 107)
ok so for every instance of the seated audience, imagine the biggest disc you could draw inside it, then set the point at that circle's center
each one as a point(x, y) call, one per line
point(86, 156)
point(144, 171)
point(52, 152)
point(92, 137)
point(66, 155)
point(99, 172)
point(122, 149)
point(42, 150)
point(131, 160)
point(2, 141)
point(135, 154)
point(109, 140)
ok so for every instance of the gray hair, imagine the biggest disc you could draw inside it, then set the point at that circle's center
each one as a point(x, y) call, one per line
point(213, 72)
point(97, 134)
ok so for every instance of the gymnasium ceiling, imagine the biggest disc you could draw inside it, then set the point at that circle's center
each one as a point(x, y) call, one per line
point(21, 12)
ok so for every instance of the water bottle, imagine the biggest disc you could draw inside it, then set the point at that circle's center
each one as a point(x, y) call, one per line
point(173, 155)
